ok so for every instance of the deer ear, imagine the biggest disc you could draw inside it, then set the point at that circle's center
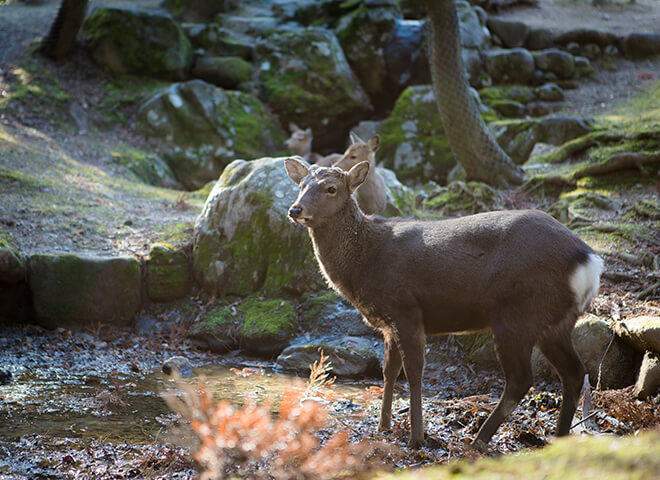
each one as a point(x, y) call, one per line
point(295, 169)
point(293, 127)
point(374, 142)
point(357, 175)
point(355, 139)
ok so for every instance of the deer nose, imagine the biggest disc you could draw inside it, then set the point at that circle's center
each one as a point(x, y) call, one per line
point(294, 212)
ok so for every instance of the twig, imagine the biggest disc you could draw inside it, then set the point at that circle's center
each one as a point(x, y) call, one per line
point(602, 360)
point(591, 415)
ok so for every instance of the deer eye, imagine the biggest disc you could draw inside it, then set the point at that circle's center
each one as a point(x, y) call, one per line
point(332, 190)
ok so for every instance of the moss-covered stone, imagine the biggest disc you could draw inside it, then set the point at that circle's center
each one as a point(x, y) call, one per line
point(146, 166)
point(413, 142)
point(307, 80)
point(133, 41)
point(216, 329)
point(77, 291)
point(267, 326)
point(169, 273)
point(204, 127)
point(226, 72)
point(244, 242)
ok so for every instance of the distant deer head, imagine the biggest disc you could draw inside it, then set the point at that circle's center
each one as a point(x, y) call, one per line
point(300, 142)
point(359, 151)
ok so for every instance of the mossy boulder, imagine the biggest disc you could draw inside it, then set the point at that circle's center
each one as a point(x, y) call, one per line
point(306, 79)
point(349, 356)
point(12, 265)
point(413, 141)
point(643, 332)
point(203, 128)
point(82, 291)
point(169, 273)
point(226, 72)
point(215, 329)
point(616, 362)
point(267, 326)
point(132, 41)
point(257, 326)
point(364, 35)
point(555, 61)
point(243, 240)
point(146, 166)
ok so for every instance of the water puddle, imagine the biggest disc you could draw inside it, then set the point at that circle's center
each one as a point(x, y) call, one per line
point(78, 409)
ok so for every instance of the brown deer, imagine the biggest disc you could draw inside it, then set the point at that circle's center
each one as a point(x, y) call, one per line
point(300, 143)
point(520, 274)
point(372, 194)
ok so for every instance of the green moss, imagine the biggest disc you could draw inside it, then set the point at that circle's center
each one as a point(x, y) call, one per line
point(146, 166)
point(220, 316)
point(517, 93)
point(265, 318)
point(413, 142)
point(571, 458)
point(472, 197)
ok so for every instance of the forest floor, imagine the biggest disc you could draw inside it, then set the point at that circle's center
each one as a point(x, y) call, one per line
point(63, 188)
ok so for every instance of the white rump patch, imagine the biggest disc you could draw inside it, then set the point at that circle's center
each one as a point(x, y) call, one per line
point(585, 281)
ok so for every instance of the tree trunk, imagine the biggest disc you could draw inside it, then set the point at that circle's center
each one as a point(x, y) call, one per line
point(473, 144)
point(63, 31)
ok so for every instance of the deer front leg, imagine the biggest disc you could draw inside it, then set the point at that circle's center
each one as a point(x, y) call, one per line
point(391, 370)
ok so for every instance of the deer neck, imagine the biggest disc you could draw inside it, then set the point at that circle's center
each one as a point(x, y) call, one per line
point(339, 247)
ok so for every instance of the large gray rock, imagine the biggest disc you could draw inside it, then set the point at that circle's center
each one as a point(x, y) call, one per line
point(204, 127)
point(82, 291)
point(643, 333)
point(307, 80)
point(363, 34)
point(514, 65)
point(641, 44)
point(648, 380)
point(591, 338)
point(413, 141)
point(243, 239)
point(474, 33)
point(215, 40)
point(138, 42)
point(585, 36)
point(513, 34)
point(225, 72)
point(349, 356)
point(555, 61)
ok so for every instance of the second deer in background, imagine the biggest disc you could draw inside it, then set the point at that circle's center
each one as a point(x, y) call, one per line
point(372, 194)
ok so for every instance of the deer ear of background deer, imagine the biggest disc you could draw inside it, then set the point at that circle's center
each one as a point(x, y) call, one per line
point(295, 169)
point(357, 175)
point(374, 142)
point(355, 138)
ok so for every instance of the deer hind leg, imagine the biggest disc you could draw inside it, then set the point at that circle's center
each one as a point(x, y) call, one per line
point(391, 369)
point(557, 346)
point(514, 354)
point(411, 341)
